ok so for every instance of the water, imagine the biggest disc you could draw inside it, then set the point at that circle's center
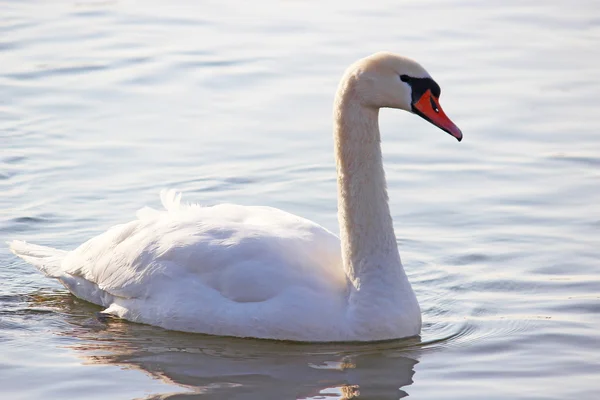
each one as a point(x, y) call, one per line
point(102, 104)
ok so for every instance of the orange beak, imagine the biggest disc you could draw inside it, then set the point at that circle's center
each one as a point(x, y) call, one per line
point(428, 107)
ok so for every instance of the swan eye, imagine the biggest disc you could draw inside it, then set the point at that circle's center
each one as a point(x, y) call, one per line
point(404, 78)
point(433, 105)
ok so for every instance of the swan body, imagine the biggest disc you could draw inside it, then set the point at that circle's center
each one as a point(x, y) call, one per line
point(261, 272)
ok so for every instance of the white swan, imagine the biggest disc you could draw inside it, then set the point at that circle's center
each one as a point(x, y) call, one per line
point(259, 271)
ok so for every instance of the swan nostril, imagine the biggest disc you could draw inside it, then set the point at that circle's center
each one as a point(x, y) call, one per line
point(434, 105)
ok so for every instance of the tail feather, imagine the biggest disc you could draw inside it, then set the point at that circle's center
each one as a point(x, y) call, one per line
point(46, 259)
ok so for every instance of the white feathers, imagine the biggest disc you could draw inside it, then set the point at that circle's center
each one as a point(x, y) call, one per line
point(259, 271)
point(46, 259)
point(226, 269)
point(170, 199)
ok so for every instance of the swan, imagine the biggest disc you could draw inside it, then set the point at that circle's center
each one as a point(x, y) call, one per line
point(260, 272)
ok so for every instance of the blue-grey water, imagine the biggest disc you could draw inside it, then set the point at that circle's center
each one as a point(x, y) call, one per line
point(104, 103)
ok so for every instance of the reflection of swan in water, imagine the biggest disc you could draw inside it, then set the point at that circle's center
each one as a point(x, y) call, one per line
point(218, 367)
point(267, 371)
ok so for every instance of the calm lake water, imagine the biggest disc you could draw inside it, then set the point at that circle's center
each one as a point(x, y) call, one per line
point(104, 103)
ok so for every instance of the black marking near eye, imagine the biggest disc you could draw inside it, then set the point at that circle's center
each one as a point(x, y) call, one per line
point(420, 86)
point(433, 105)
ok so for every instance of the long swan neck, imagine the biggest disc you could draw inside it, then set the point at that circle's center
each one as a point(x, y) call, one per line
point(369, 248)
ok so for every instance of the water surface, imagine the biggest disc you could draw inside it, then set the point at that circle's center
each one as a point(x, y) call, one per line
point(102, 104)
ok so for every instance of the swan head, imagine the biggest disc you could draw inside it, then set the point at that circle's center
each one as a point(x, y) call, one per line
point(387, 80)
